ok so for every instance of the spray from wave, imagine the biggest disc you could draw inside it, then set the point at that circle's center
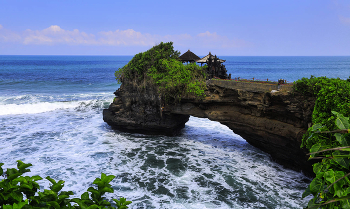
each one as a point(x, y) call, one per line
point(33, 104)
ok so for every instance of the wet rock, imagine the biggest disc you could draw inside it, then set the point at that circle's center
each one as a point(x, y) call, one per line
point(274, 122)
point(139, 109)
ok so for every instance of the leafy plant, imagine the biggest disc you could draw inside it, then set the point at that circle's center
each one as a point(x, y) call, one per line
point(331, 186)
point(176, 80)
point(331, 94)
point(328, 139)
point(18, 191)
point(160, 66)
point(142, 62)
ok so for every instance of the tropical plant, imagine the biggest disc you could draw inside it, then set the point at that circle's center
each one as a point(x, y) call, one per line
point(176, 80)
point(328, 140)
point(160, 66)
point(18, 191)
point(331, 186)
point(142, 62)
point(332, 94)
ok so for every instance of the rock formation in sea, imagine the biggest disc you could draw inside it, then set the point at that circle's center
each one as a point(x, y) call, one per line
point(138, 108)
point(273, 121)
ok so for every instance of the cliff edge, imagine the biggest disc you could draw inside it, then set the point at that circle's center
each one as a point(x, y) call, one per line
point(137, 107)
point(273, 122)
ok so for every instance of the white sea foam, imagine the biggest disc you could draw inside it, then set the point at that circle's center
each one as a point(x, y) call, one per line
point(12, 109)
point(208, 166)
point(61, 132)
point(32, 104)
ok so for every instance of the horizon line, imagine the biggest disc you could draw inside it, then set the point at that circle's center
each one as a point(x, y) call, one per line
point(200, 55)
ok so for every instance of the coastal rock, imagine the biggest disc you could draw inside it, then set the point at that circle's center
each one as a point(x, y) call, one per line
point(138, 108)
point(271, 121)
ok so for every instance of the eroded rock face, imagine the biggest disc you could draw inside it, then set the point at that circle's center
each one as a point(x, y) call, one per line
point(273, 122)
point(138, 108)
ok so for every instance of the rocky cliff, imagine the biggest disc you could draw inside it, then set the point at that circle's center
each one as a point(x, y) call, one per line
point(137, 107)
point(274, 122)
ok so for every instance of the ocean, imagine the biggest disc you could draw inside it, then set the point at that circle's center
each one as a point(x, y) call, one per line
point(51, 116)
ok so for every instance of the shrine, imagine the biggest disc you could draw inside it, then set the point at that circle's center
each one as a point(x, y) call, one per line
point(189, 57)
point(215, 67)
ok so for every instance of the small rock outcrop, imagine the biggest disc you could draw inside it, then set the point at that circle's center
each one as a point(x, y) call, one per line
point(138, 108)
point(273, 122)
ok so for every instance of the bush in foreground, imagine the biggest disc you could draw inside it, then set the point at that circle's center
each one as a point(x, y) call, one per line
point(331, 186)
point(332, 94)
point(18, 191)
point(328, 140)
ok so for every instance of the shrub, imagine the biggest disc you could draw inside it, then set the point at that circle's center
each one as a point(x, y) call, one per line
point(160, 66)
point(328, 139)
point(142, 62)
point(18, 191)
point(331, 186)
point(176, 80)
point(332, 94)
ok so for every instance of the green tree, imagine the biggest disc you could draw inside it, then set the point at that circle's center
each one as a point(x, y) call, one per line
point(160, 66)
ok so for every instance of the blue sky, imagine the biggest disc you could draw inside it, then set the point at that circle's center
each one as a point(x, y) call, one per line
point(233, 27)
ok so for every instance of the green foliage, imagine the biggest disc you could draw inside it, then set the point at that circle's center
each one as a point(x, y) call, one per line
point(331, 186)
point(176, 80)
point(142, 62)
point(331, 94)
point(18, 191)
point(160, 65)
point(307, 86)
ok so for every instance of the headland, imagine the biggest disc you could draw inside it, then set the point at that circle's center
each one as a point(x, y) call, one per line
point(268, 116)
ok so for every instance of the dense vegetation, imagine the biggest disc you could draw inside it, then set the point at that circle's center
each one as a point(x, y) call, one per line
point(332, 94)
point(329, 141)
point(160, 66)
point(18, 191)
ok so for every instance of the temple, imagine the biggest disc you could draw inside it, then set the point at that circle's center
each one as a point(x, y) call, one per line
point(215, 67)
point(189, 57)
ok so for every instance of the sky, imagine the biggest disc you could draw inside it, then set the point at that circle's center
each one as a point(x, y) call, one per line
point(226, 28)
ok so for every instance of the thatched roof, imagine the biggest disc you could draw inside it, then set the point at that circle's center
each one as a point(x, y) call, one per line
point(209, 56)
point(189, 57)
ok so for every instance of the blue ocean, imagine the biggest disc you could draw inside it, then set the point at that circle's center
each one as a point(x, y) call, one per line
point(51, 116)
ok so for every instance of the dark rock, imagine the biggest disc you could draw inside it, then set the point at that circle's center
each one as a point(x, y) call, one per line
point(138, 109)
point(273, 122)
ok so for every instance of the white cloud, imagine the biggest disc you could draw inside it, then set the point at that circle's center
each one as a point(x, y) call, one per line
point(55, 35)
point(8, 36)
point(213, 40)
point(208, 34)
point(126, 37)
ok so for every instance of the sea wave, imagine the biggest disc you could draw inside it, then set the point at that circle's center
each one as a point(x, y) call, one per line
point(34, 108)
point(13, 109)
point(38, 98)
point(207, 166)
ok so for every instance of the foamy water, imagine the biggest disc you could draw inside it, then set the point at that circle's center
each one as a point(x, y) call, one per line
point(51, 116)
point(207, 166)
point(12, 109)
